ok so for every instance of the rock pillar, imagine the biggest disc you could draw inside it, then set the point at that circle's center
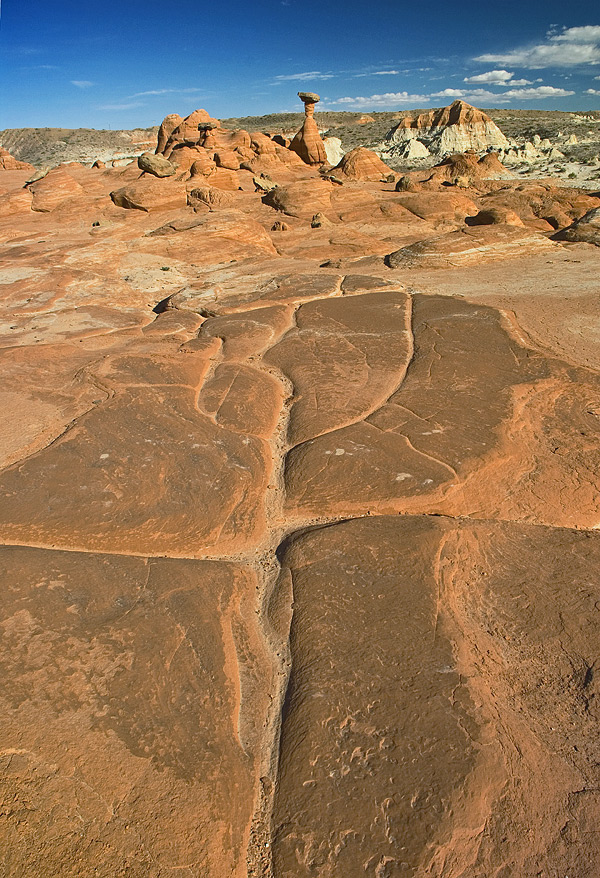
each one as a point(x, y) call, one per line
point(307, 143)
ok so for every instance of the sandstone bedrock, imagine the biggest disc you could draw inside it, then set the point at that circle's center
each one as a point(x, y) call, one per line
point(299, 504)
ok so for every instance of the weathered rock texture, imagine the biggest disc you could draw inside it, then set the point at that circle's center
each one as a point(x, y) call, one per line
point(586, 229)
point(362, 164)
point(299, 556)
point(443, 131)
point(9, 163)
point(307, 143)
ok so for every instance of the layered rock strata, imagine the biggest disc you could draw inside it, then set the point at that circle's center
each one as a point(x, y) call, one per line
point(444, 131)
point(307, 143)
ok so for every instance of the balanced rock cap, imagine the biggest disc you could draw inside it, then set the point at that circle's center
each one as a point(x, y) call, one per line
point(309, 97)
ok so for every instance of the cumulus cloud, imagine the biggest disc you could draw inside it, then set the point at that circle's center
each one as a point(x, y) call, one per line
point(542, 91)
point(388, 100)
point(303, 77)
point(571, 47)
point(472, 94)
point(481, 94)
point(81, 83)
point(492, 77)
point(497, 77)
point(592, 91)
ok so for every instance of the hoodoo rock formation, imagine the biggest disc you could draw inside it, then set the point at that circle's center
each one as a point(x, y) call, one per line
point(457, 128)
point(299, 509)
point(307, 143)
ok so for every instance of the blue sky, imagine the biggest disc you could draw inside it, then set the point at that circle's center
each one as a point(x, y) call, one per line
point(122, 64)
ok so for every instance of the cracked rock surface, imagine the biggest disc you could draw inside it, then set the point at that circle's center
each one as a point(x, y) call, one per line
point(299, 552)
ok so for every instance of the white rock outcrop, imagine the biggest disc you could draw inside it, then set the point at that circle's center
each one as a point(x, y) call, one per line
point(445, 131)
point(333, 150)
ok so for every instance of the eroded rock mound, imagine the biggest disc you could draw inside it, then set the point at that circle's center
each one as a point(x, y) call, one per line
point(303, 199)
point(53, 190)
point(446, 130)
point(151, 194)
point(362, 164)
point(167, 127)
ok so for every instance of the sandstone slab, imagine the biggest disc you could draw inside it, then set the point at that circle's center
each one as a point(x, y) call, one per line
point(129, 690)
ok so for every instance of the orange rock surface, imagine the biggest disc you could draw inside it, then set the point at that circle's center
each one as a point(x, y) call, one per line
point(307, 142)
point(10, 163)
point(299, 520)
point(362, 164)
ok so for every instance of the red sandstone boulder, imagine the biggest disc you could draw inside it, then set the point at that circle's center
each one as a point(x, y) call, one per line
point(227, 158)
point(156, 165)
point(467, 168)
point(209, 196)
point(495, 216)
point(542, 205)
point(445, 206)
point(151, 194)
point(203, 165)
point(187, 131)
point(56, 187)
point(262, 144)
point(303, 199)
point(168, 126)
point(185, 156)
point(363, 164)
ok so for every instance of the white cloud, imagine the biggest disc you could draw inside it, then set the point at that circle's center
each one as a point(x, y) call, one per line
point(492, 77)
point(165, 91)
point(477, 94)
point(572, 47)
point(131, 106)
point(389, 100)
point(449, 93)
point(380, 73)
point(82, 83)
point(587, 33)
point(303, 77)
point(497, 77)
point(596, 77)
point(542, 91)
point(592, 91)
point(481, 94)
